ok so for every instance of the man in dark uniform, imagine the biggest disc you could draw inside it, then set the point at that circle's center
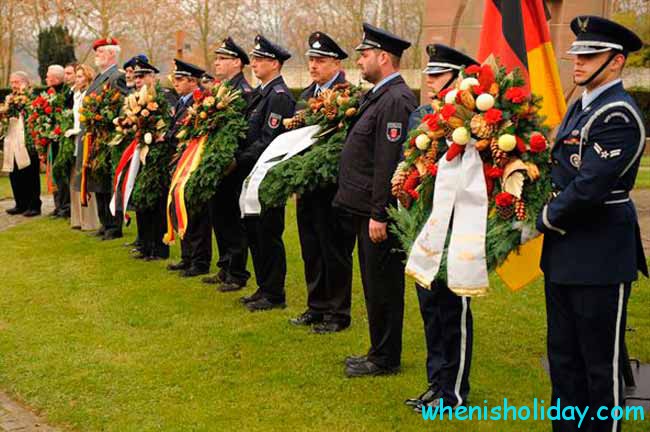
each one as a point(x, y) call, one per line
point(272, 101)
point(370, 155)
point(152, 221)
point(106, 54)
point(447, 318)
point(129, 70)
point(326, 247)
point(196, 248)
point(592, 246)
point(225, 216)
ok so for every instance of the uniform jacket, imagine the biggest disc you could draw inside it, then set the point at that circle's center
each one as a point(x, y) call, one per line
point(308, 93)
point(591, 231)
point(267, 108)
point(372, 150)
point(239, 82)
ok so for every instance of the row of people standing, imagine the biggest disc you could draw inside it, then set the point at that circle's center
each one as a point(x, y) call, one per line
point(332, 219)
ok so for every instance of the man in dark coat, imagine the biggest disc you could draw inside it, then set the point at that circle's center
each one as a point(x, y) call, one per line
point(370, 155)
point(225, 216)
point(326, 247)
point(271, 102)
point(106, 54)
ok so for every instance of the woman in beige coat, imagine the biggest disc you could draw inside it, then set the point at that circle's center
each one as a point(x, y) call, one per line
point(83, 218)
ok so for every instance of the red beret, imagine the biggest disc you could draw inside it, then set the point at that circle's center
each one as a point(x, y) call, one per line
point(109, 41)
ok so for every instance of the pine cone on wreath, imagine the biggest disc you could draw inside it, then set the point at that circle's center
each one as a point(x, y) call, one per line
point(520, 210)
point(499, 157)
point(480, 127)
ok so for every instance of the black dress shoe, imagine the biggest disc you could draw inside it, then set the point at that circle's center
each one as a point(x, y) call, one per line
point(435, 403)
point(329, 327)
point(154, 258)
point(251, 298)
point(264, 304)
point(112, 235)
point(178, 266)
point(54, 213)
point(307, 318)
point(352, 360)
point(230, 287)
point(219, 277)
point(32, 213)
point(140, 256)
point(427, 396)
point(193, 271)
point(15, 211)
point(368, 368)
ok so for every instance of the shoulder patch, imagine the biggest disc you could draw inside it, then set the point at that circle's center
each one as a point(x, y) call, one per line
point(275, 120)
point(393, 131)
point(279, 89)
point(615, 115)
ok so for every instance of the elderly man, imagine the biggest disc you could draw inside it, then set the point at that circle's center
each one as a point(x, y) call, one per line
point(326, 247)
point(107, 52)
point(21, 162)
point(55, 81)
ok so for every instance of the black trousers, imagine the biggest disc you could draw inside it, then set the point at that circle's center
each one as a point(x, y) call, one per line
point(26, 185)
point(112, 224)
point(196, 245)
point(449, 334)
point(152, 225)
point(327, 255)
point(229, 231)
point(62, 197)
point(62, 194)
point(382, 275)
point(586, 330)
point(267, 249)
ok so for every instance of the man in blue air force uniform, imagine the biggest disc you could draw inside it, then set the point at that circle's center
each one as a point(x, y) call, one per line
point(592, 246)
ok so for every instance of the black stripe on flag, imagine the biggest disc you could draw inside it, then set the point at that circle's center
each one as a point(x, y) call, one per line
point(512, 26)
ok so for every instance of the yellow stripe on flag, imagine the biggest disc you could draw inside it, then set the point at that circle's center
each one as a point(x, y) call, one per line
point(545, 82)
point(522, 268)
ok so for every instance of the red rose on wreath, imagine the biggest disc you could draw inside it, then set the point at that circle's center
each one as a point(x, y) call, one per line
point(493, 116)
point(493, 172)
point(473, 69)
point(486, 77)
point(57, 130)
point(48, 110)
point(447, 111)
point(198, 95)
point(478, 90)
point(50, 91)
point(537, 143)
point(431, 120)
point(432, 169)
point(516, 95)
point(42, 142)
point(504, 199)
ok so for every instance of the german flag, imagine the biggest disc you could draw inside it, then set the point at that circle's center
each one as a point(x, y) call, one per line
point(517, 33)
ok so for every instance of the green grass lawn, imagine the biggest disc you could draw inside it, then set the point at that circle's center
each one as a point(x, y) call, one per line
point(95, 340)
